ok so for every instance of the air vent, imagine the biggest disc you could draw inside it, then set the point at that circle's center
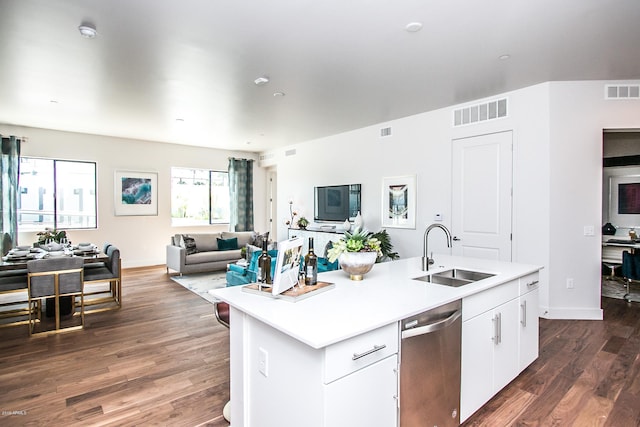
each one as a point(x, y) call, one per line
point(622, 92)
point(267, 156)
point(385, 132)
point(486, 111)
point(291, 152)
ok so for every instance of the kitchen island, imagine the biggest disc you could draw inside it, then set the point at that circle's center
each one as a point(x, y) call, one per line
point(293, 363)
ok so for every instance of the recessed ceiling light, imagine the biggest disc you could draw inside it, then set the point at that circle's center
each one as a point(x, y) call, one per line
point(53, 101)
point(87, 30)
point(413, 27)
point(278, 93)
point(180, 120)
point(261, 81)
point(504, 57)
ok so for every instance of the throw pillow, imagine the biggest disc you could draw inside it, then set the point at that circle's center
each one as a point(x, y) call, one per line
point(189, 244)
point(227, 244)
point(260, 239)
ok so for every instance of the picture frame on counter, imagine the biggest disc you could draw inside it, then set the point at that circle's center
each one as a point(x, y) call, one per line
point(136, 193)
point(399, 202)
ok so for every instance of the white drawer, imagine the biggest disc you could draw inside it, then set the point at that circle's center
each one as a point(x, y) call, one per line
point(487, 300)
point(529, 282)
point(347, 356)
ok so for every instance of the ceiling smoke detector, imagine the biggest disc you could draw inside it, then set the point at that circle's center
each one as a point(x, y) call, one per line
point(87, 31)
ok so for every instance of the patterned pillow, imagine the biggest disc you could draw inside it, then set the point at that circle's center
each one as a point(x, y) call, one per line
point(227, 244)
point(189, 244)
point(260, 238)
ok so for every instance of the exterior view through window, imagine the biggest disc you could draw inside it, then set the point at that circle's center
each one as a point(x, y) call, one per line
point(57, 194)
point(199, 197)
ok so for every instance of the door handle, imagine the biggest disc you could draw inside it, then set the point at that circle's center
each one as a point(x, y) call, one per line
point(456, 238)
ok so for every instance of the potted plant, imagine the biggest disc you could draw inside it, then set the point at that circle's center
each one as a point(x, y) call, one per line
point(303, 223)
point(51, 235)
point(356, 252)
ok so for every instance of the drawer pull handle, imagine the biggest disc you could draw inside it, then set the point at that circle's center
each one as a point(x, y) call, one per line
point(375, 348)
point(535, 282)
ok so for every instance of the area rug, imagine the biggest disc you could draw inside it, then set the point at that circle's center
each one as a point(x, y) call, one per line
point(615, 289)
point(202, 283)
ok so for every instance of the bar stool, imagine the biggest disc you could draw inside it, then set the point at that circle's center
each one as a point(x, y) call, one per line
point(221, 310)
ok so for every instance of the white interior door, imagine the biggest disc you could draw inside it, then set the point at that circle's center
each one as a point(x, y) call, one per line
point(481, 200)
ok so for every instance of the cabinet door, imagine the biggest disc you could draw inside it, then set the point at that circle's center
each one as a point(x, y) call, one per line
point(477, 363)
point(506, 352)
point(528, 328)
point(367, 397)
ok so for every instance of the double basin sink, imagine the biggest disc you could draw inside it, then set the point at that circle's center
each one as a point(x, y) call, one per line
point(455, 277)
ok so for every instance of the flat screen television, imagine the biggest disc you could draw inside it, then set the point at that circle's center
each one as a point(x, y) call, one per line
point(336, 202)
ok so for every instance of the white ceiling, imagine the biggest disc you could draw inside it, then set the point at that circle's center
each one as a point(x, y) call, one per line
point(342, 64)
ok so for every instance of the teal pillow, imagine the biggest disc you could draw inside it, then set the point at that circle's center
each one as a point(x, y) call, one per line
point(227, 244)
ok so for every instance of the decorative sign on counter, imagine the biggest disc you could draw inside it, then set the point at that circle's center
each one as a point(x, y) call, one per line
point(293, 294)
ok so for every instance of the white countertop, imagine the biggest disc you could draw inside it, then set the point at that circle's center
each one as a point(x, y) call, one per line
point(387, 294)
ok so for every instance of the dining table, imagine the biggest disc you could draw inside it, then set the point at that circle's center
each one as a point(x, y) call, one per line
point(16, 260)
point(9, 262)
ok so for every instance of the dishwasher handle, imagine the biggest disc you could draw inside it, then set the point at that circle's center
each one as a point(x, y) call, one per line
point(432, 327)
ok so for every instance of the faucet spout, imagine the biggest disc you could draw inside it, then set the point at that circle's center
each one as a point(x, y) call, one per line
point(426, 260)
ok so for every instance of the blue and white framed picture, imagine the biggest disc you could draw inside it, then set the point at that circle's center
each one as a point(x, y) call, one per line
point(399, 202)
point(136, 193)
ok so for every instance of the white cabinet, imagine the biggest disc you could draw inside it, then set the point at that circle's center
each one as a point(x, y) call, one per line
point(286, 383)
point(320, 239)
point(499, 339)
point(529, 321)
point(489, 355)
point(367, 397)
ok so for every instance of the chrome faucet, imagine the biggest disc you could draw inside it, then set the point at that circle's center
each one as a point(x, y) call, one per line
point(426, 261)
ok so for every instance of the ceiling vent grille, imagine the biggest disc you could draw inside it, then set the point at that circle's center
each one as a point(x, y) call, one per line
point(385, 132)
point(622, 91)
point(483, 112)
point(267, 156)
point(291, 152)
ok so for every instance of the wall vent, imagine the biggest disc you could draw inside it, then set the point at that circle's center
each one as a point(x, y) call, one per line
point(622, 92)
point(267, 156)
point(291, 152)
point(483, 112)
point(385, 132)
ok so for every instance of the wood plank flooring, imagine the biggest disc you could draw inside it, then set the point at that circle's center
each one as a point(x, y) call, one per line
point(588, 374)
point(163, 359)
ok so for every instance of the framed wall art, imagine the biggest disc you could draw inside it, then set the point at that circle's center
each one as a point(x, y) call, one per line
point(136, 193)
point(399, 202)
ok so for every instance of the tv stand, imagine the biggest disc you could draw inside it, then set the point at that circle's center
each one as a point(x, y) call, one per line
point(321, 238)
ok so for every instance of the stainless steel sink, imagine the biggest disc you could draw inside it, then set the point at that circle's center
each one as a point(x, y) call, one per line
point(455, 277)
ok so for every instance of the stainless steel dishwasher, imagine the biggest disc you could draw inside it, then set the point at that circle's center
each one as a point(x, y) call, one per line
point(430, 367)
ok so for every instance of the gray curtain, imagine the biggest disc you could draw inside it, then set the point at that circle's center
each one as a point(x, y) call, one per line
point(241, 194)
point(9, 173)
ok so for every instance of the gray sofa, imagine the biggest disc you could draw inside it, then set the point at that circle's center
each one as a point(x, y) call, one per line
point(207, 256)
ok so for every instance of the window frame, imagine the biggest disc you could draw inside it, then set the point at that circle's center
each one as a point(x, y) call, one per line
point(55, 197)
point(210, 209)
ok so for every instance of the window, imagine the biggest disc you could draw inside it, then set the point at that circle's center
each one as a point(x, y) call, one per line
point(56, 194)
point(199, 197)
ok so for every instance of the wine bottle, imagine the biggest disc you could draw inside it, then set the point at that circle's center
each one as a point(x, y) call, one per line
point(310, 265)
point(264, 265)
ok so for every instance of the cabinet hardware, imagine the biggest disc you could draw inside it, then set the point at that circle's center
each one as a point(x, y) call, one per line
point(523, 321)
point(535, 282)
point(497, 328)
point(375, 348)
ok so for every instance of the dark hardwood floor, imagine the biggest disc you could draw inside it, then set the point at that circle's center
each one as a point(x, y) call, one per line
point(163, 359)
point(587, 374)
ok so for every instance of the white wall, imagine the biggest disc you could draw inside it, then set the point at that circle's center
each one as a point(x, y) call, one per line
point(557, 131)
point(141, 239)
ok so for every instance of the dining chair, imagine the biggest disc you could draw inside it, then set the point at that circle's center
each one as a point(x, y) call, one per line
point(221, 310)
point(13, 291)
point(630, 271)
point(54, 278)
point(110, 272)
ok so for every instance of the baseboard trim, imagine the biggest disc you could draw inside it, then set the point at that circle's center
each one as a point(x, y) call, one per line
point(566, 313)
